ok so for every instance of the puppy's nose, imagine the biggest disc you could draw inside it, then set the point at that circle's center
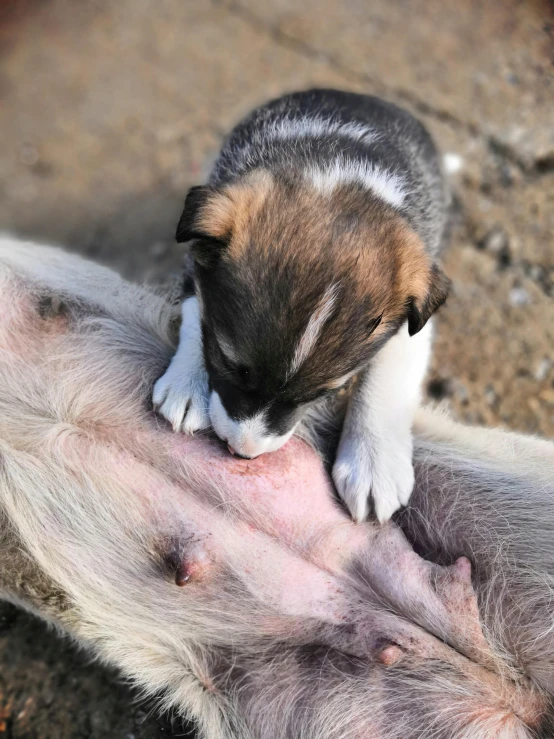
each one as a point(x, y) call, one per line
point(236, 454)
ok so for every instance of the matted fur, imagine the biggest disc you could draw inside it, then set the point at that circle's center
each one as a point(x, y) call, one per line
point(88, 517)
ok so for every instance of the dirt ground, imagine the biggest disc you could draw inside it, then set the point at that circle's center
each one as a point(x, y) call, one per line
point(109, 111)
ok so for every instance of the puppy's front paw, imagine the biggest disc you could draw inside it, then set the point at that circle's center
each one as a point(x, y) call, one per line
point(374, 468)
point(181, 396)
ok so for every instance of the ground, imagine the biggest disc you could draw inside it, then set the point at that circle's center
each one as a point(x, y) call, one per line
point(111, 110)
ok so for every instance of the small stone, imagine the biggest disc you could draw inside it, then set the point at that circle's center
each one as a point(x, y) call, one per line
point(519, 297)
point(542, 369)
point(496, 241)
point(534, 405)
point(461, 393)
point(490, 395)
point(484, 205)
point(547, 396)
point(507, 174)
point(453, 163)
point(536, 272)
point(439, 388)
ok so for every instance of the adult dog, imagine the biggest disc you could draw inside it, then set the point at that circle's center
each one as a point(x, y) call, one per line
point(239, 591)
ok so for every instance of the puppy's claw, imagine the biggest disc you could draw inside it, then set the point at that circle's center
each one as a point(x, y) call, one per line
point(352, 491)
point(383, 472)
point(385, 506)
point(183, 400)
point(196, 419)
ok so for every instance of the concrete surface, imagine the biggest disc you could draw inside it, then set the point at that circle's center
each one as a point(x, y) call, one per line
point(110, 110)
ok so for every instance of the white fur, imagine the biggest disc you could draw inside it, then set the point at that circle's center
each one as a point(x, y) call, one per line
point(317, 320)
point(292, 130)
point(181, 394)
point(387, 185)
point(316, 127)
point(374, 458)
point(249, 437)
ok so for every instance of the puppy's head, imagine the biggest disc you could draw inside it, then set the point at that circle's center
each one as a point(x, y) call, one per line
point(299, 289)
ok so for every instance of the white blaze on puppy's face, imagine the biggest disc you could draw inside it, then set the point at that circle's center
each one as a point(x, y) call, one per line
point(315, 326)
point(248, 437)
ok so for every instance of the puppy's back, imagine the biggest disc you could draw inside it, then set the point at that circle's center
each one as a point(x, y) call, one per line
point(335, 137)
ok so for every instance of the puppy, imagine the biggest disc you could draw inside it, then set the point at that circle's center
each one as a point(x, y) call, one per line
point(314, 244)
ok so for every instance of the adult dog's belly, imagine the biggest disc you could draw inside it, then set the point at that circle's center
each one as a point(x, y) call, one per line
point(234, 586)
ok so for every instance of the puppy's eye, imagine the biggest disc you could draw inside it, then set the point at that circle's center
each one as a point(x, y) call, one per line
point(372, 325)
point(244, 373)
point(238, 374)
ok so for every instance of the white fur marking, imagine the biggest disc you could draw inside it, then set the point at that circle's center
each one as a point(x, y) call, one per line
point(315, 325)
point(292, 130)
point(314, 127)
point(248, 437)
point(387, 185)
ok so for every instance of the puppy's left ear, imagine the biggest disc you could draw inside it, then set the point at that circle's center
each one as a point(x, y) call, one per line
point(420, 310)
point(188, 228)
point(196, 225)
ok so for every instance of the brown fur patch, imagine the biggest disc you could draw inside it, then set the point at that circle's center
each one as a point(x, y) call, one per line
point(368, 243)
point(229, 211)
point(283, 248)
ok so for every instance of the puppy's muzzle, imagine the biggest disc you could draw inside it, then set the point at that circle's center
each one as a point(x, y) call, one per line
point(236, 454)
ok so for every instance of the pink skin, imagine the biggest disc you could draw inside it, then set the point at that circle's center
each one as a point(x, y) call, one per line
point(275, 519)
point(270, 571)
point(279, 495)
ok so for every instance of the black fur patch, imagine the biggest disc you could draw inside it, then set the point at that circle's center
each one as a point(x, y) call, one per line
point(195, 200)
point(420, 313)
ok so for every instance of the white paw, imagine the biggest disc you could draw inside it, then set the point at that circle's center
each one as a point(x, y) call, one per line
point(181, 396)
point(369, 467)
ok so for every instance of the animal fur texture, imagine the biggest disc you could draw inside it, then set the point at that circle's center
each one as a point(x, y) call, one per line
point(216, 587)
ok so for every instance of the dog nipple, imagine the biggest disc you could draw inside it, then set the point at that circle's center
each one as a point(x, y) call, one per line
point(183, 574)
point(389, 655)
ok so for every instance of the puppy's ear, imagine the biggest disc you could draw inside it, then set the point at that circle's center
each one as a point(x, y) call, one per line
point(188, 226)
point(207, 247)
point(420, 310)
